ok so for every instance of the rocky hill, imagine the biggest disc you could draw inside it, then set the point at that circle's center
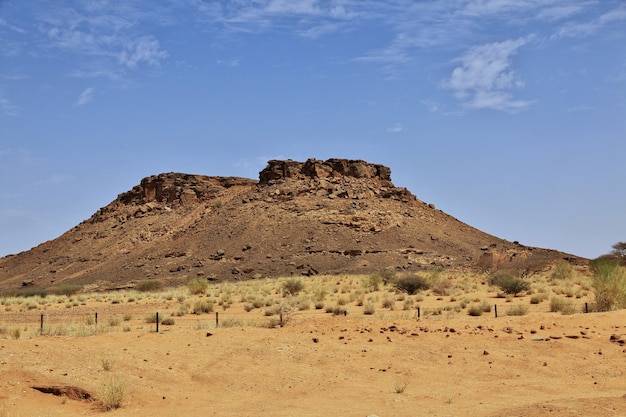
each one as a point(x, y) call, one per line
point(318, 217)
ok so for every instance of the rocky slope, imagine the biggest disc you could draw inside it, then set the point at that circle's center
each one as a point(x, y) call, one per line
point(318, 217)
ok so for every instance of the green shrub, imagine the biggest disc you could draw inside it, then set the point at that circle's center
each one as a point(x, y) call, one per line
point(292, 286)
point(609, 284)
point(202, 307)
point(197, 286)
point(562, 270)
point(149, 285)
point(65, 289)
point(508, 283)
point(411, 284)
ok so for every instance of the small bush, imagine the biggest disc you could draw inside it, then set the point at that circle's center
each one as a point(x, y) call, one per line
point(369, 309)
point(151, 318)
point(150, 285)
point(203, 307)
point(197, 286)
point(440, 286)
point(374, 281)
point(292, 286)
point(479, 309)
point(168, 321)
point(508, 283)
point(558, 304)
point(538, 298)
point(562, 270)
point(400, 384)
point(411, 284)
point(107, 363)
point(113, 394)
point(609, 284)
point(65, 289)
point(388, 302)
point(517, 310)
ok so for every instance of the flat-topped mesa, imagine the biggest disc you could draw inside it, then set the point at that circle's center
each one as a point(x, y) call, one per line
point(313, 168)
point(333, 178)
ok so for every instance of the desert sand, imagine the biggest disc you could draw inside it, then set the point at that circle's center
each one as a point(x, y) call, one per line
point(387, 364)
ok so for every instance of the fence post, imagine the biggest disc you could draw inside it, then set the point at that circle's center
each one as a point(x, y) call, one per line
point(495, 309)
point(419, 313)
point(217, 319)
point(96, 318)
point(41, 326)
point(586, 308)
point(157, 321)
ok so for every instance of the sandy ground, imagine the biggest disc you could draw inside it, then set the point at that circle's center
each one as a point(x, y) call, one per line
point(541, 364)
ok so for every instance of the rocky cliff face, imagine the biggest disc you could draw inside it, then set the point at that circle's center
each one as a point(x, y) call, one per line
point(333, 178)
point(336, 216)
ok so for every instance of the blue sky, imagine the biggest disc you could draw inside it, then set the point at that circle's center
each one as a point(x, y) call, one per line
point(509, 115)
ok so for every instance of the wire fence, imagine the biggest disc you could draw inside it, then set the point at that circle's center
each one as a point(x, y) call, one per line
point(87, 321)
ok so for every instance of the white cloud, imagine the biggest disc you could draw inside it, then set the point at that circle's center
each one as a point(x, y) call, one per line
point(102, 38)
point(397, 128)
point(145, 49)
point(485, 78)
point(231, 63)
point(85, 97)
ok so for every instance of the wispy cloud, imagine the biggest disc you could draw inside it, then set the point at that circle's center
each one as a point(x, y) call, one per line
point(231, 63)
point(589, 27)
point(85, 97)
point(4, 23)
point(396, 128)
point(145, 49)
point(8, 108)
point(484, 80)
point(108, 38)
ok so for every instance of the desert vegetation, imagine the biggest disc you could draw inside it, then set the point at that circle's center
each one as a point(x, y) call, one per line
point(279, 301)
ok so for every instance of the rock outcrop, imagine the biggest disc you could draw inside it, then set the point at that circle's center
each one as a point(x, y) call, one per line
point(337, 216)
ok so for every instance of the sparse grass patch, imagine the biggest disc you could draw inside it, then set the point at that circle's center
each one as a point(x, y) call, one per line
point(538, 298)
point(479, 309)
point(107, 362)
point(400, 383)
point(197, 286)
point(202, 306)
point(517, 310)
point(562, 269)
point(113, 394)
point(559, 304)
